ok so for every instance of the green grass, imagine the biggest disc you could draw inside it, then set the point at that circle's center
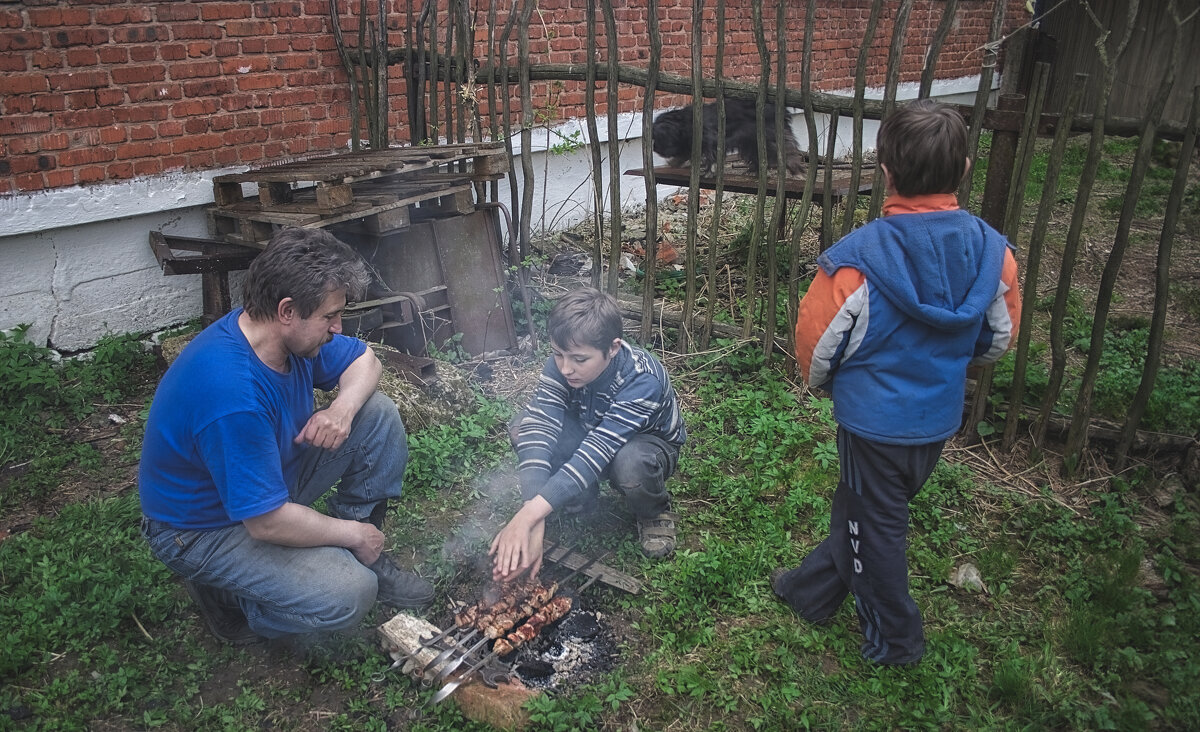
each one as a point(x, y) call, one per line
point(98, 635)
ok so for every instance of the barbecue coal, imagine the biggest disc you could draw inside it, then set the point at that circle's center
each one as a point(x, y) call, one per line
point(577, 649)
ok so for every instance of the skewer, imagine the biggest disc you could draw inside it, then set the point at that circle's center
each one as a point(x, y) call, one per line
point(449, 688)
point(459, 661)
point(447, 653)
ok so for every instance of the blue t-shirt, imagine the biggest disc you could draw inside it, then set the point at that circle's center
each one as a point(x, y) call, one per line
point(219, 440)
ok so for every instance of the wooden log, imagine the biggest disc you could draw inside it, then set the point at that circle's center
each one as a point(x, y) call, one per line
point(502, 707)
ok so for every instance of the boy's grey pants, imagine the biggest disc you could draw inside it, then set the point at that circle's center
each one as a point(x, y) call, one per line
point(639, 470)
point(865, 551)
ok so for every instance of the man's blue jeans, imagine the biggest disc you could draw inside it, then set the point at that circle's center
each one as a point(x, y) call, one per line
point(288, 590)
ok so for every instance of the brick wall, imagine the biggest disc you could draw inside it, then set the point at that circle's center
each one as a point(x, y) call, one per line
point(95, 91)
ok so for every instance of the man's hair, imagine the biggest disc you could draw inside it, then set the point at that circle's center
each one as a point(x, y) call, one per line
point(305, 265)
point(585, 317)
point(924, 146)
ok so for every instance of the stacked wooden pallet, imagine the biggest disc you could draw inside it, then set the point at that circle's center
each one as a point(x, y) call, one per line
point(377, 191)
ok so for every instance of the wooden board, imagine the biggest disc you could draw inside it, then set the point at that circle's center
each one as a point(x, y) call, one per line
point(570, 559)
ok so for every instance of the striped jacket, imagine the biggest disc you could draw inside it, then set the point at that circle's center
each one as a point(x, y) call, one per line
point(632, 396)
point(897, 312)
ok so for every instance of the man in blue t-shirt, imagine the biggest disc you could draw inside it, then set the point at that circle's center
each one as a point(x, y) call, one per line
point(234, 456)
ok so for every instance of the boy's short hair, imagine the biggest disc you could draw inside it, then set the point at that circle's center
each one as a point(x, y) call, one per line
point(305, 265)
point(924, 146)
point(585, 317)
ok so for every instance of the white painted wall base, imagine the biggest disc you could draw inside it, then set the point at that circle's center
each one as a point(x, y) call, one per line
point(76, 264)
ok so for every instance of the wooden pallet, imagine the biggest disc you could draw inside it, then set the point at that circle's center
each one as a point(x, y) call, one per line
point(386, 208)
point(332, 178)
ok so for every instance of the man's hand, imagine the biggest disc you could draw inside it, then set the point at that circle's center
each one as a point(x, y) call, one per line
point(326, 429)
point(518, 546)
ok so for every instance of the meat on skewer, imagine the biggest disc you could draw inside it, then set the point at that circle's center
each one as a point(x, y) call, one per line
point(515, 594)
point(551, 611)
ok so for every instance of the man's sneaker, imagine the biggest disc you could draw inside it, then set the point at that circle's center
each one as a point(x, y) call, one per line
point(401, 589)
point(656, 534)
point(222, 614)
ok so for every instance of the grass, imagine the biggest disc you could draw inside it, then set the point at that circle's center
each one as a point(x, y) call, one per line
point(1069, 635)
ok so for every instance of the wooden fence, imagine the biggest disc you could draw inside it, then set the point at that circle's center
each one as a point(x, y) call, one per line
point(448, 79)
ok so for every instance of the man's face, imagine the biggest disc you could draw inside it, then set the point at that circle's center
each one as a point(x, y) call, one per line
point(305, 336)
point(580, 365)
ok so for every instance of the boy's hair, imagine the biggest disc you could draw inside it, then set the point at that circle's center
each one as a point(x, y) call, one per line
point(924, 146)
point(305, 265)
point(585, 317)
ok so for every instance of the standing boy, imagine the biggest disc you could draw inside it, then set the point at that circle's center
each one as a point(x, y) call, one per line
point(898, 311)
point(602, 409)
point(234, 456)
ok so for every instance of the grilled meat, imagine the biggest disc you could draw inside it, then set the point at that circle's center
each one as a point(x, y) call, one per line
point(550, 612)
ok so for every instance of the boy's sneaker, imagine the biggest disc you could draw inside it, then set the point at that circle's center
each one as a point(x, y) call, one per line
point(222, 614)
point(401, 589)
point(656, 534)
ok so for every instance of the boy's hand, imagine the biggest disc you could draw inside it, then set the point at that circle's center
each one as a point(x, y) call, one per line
point(518, 546)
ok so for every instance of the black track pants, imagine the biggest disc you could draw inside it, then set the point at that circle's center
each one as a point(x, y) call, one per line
point(865, 554)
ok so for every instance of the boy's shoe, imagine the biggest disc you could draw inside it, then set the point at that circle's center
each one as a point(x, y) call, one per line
point(222, 614)
point(656, 534)
point(401, 589)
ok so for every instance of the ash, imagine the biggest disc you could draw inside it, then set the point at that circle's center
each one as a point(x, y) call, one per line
point(572, 654)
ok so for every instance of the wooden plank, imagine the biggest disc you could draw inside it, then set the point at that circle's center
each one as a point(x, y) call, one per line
point(331, 197)
point(740, 183)
point(565, 557)
point(380, 209)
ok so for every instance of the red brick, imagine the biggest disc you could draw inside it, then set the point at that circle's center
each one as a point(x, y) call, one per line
point(119, 171)
point(196, 32)
point(135, 150)
point(190, 107)
point(138, 74)
point(225, 156)
point(192, 143)
point(176, 11)
point(170, 128)
point(242, 28)
point(141, 34)
point(223, 49)
point(25, 41)
point(196, 70)
point(149, 166)
point(154, 92)
point(47, 59)
point(55, 141)
point(82, 100)
point(90, 174)
point(31, 182)
point(260, 81)
point(172, 52)
point(207, 87)
point(21, 146)
point(278, 9)
point(142, 132)
point(79, 80)
point(13, 63)
point(113, 55)
point(86, 155)
point(225, 11)
point(277, 44)
point(291, 62)
point(78, 37)
point(112, 135)
point(142, 113)
point(124, 15)
point(60, 178)
point(201, 160)
point(143, 53)
point(245, 64)
point(52, 17)
point(23, 84)
point(85, 118)
point(109, 97)
point(195, 125)
point(199, 49)
point(11, 19)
